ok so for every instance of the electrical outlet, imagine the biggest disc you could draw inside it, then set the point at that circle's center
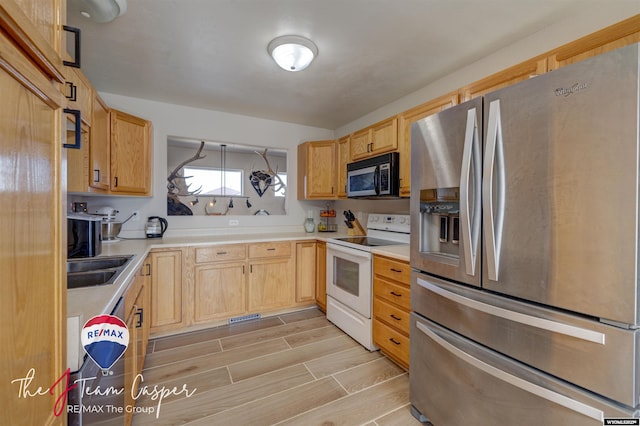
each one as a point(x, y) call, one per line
point(136, 216)
point(234, 222)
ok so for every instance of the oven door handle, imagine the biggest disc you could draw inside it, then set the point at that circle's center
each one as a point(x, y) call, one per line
point(348, 251)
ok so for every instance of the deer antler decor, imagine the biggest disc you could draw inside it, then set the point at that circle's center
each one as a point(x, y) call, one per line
point(261, 180)
point(182, 189)
point(178, 187)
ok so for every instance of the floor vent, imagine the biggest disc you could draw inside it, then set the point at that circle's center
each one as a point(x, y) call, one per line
point(244, 318)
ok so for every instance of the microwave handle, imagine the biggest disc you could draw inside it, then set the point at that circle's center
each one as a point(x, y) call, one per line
point(376, 180)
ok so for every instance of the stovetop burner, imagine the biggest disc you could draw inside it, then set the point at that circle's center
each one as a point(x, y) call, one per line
point(368, 241)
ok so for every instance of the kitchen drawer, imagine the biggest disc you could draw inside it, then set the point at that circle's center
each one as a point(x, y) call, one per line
point(391, 342)
point(394, 316)
point(274, 249)
point(397, 270)
point(394, 293)
point(221, 253)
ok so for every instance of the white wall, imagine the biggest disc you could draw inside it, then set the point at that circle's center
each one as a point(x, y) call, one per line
point(181, 121)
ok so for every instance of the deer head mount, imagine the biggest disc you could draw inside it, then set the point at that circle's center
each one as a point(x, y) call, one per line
point(261, 180)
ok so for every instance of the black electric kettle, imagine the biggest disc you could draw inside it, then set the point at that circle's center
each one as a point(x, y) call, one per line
point(155, 227)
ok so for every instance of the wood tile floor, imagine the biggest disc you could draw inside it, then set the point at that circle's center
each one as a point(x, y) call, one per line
point(293, 369)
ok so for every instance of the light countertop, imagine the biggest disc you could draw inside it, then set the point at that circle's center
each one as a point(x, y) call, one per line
point(85, 303)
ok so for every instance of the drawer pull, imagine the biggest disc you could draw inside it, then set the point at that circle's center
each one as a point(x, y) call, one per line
point(395, 317)
point(395, 270)
point(73, 91)
point(271, 249)
point(221, 252)
point(140, 314)
point(393, 293)
point(392, 340)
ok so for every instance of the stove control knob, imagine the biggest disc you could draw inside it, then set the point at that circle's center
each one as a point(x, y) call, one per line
point(402, 220)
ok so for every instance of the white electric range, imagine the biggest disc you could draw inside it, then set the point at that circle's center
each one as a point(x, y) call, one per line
point(350, 271)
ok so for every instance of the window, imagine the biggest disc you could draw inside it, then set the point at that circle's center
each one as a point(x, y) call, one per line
point(283, 191)
point(213, 181)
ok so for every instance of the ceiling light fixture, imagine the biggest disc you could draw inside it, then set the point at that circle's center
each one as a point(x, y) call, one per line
point(292, 52)
point(102, 11)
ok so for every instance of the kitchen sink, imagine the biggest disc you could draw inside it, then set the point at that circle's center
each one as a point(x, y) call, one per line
point(91, 278)
point(96, 263)
point(95, 271)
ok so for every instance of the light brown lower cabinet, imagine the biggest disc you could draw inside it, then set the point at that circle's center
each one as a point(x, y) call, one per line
point(271, 276)
point(306, 273)
point(391, 308)
point(270, 284)
point(167, 290)
point(136, 313)
point(193, 287)
point(219, 290)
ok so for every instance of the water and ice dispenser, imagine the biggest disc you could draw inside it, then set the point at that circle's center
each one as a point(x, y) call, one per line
point(440, 221)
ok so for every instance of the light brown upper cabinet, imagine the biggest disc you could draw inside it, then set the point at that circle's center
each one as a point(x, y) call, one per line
point(78, 161)
point(504, 78)
point(404, 134)
point(115, 155)
point(619, 35)
point(99, 158)
point(344, 157)
point(130, 154)
point(376, 139)
point(32, 306)
point(317, 170)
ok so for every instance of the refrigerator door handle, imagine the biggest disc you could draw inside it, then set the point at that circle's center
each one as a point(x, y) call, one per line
point(493, 178)
point(470, 214)
point(529, 320)
point(525, 385)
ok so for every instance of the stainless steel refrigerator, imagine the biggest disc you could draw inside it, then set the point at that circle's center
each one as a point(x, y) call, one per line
point(524, 249)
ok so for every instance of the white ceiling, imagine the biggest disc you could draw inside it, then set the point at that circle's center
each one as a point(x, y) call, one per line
point(213, 53)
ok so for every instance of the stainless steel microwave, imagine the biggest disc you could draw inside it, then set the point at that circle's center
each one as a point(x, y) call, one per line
point(376, 177)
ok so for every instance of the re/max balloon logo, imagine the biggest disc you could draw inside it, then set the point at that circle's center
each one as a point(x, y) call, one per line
point(105, 338)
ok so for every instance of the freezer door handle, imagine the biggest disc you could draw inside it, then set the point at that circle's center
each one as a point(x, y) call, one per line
point(470, 213)
point(529, 320)
point(493, 186)
point(525, 385)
